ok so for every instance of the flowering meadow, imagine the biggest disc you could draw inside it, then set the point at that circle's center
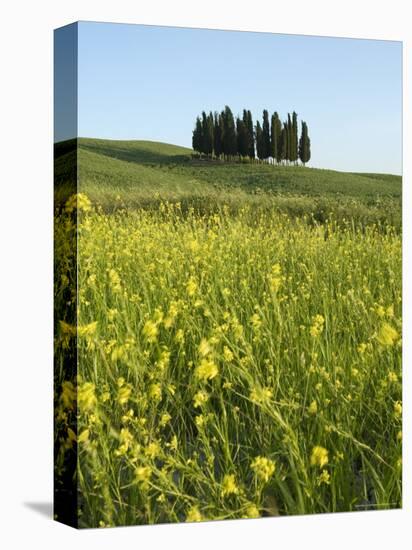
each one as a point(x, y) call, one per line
point(229, 365)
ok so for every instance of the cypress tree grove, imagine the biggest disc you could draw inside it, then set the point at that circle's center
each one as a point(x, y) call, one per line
point(223, 135)
point(304, 144)
point(266, 134)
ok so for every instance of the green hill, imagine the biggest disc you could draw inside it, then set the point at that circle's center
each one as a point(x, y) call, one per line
point(141, 173)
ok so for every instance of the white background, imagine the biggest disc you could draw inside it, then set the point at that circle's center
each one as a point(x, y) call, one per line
point(26, 191)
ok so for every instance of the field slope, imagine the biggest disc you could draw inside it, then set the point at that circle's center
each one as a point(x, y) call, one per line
point(142, 173)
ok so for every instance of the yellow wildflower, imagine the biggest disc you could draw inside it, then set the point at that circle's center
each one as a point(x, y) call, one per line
point(260, 395)
point(317, 326)
point(205, 348)
point(194, 515)
point(143, 474)
point(229, 486)
point(207, 370)
point(123, 393)
point(86, 396)
point(150, 331)
point(227, 354)
point(155, 392)
point(387, 335)
point(153, 450)
point(191, 286)
point(324, 477)
point(200, 398)
point(78, 201)
point(392, 376)
point(263, 468)
point(165, 419)
point(256, 321)
point(85, 331)
point(251, 512)
point(397, 409)
point(114, 279)
point(319, 456)
point(313, 407)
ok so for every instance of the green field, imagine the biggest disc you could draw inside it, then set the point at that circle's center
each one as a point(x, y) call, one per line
point(239, 336)
point(143, 173)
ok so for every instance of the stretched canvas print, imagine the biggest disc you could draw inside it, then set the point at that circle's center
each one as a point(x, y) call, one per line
point(227, 275)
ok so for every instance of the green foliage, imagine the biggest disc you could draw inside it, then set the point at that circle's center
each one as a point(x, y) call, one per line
point(260, 142)
point(229, 133)
point(265, 135)
point(304, 144)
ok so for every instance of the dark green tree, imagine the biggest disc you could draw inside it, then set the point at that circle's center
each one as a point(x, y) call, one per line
point(266, 134)
point(294, 152)
point(197, 136)
point(289, 139)
point(275, 131)
point(304, 144)
point(217, 134)
point(248, 120)
point(229, 133)
point(284, 142)
point(207, 133)
point(260, 144)
point(242, 138)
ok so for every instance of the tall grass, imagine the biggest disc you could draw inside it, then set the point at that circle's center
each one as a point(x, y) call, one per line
point(232, 364)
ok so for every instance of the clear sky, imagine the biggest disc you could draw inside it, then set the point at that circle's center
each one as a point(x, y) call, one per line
point(146, 82)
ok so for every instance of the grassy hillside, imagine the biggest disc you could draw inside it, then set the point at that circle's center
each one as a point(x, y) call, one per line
point(141, 173)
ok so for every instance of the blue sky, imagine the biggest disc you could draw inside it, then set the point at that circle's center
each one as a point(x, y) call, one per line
point(145, 82)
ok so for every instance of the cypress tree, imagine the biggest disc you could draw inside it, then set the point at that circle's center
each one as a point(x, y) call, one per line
point(204, 133)
point(210, 133)
point(197, 136)
point(207, 133)
point(284, 142)
point(229, 133)
point(266, 134)
point(275, 131)
point(242, 138)
point(251, 135)
point(304, 144)
point(260, 144)
point(217, 135)
point(278, 125)
point(289, 139)
point(294, 138)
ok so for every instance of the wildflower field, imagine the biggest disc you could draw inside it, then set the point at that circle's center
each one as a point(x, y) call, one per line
point(236, 362)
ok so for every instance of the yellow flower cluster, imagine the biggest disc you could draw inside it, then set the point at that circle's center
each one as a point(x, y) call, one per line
point(319, 456)
point(263, 467)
